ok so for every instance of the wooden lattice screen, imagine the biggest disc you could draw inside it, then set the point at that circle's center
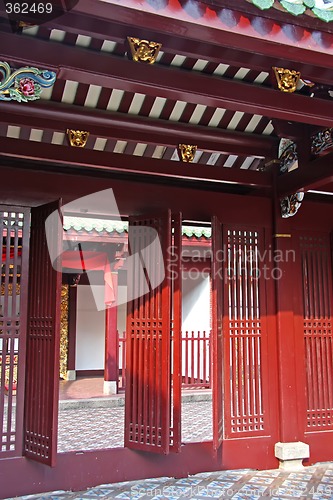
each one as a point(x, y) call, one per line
point(43, 340)
point(217, 332)
point(244, 333)
point(318, 333)
point(152, 421)
point(14, 223)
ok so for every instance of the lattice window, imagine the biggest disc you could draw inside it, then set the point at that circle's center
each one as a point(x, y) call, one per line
point(318, 338)
point(244, 333)
point(13, 224)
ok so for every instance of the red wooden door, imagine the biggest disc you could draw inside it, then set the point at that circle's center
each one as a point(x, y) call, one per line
point(315, 342)
point(14, 227)
point(152, 401)
point(245, 332)
point(43, 338)
point(217, 332)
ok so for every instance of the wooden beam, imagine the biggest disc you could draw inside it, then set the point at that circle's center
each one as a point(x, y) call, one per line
point(216, 34)
point(293, 131)
point(59, 117)
point(314, 174)
point(84, 159)
point(112, 72)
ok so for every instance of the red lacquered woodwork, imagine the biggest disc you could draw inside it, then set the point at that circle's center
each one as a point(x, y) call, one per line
point(152, 402)
point(43, 342)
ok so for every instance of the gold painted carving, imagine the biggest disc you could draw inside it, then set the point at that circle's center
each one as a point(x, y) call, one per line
point(287, 79)
point(64, 331)
point(187, 152)
point(77, 138)
point(10, 289)
point(143, 51)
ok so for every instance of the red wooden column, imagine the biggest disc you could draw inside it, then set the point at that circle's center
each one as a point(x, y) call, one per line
point(284, 271)
point(111, 363)
point(72, 313)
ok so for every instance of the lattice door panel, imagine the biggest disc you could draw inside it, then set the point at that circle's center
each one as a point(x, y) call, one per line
point(318, 331)
point(244, 334)
point(43, 341)
point(217, 333)
point(14, 224)
point(149, 418)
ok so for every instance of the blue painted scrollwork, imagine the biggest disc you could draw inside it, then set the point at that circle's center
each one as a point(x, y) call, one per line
point(24, 84)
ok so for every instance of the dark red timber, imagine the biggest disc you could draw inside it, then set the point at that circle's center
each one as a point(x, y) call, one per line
point(217, 332)
point(151, 409)
point(14, 223)
point(43, 341)
point(317, 336)
point(175, 254)
point(246, 398)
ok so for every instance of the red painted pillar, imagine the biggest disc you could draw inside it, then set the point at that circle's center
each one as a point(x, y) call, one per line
point(288, 348)
point(111, 363)
point(72, 313)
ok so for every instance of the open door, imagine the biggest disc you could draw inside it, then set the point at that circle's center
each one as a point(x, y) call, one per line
point(152, 398)
point(43, 338)
point(217, 333)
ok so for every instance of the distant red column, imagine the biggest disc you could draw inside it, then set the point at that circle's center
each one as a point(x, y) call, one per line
point(111, 364)
point(72, 313)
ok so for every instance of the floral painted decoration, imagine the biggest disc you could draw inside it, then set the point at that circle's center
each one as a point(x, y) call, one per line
point(323, 9)
point(24, 84)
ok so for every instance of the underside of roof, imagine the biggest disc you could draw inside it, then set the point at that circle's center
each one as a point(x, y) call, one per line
point(212, 87)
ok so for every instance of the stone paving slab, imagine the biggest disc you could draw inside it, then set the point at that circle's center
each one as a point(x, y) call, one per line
point(315, 483)
point(103, 427)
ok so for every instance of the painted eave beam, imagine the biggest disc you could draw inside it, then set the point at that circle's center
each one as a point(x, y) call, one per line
point(56, 116)
point(113, 72)
point(223, 35)
point(113, 162)
point(314, 174)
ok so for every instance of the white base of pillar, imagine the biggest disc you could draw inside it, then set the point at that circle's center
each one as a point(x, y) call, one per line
point(71, 375)
point(110, 387)
point(291, 455)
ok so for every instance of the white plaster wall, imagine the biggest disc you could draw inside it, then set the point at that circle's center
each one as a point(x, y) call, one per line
point(196, 302)
point(196, 318)
point(122, 309)
point(90, 331)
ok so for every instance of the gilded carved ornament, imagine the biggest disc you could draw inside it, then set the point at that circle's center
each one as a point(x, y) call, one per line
point(143, 50)
point(64, 305)
point(77, 138)
point(187, 152)
point(287, 79)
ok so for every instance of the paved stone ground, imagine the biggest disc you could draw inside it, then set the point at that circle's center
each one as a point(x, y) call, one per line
point(100, 427)
point(97, 428)
point(315, 483)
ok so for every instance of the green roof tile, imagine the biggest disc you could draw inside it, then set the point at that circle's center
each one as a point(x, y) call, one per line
point(112, 226)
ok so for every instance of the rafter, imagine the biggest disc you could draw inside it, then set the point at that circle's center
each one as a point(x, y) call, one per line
point(112, 162)
point(249, 41)
point(58, 117)
point(112, 72)
point(312, 175)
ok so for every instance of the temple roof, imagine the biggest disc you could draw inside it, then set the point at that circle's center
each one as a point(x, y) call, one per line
point(212, 87)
